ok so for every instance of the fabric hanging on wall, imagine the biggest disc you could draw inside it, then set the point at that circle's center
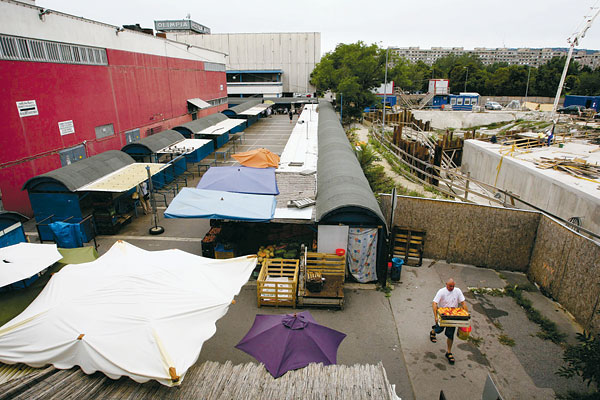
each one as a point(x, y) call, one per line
point(362, 254)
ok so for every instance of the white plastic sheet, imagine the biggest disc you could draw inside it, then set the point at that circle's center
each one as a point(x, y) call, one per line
point(23, 260)
point(131, 312)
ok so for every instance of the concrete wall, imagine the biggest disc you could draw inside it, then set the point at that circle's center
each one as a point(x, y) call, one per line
point(468, 119)
point(463, 233)
point(296, 54)
point(542, 188)
point(566, 266)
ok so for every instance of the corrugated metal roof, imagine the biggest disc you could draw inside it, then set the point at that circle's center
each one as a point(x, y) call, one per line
point(245, 106)
point(343, 192)
point(255, 110)
point(155, 142)
point(82, 172)
point(202, 123)
point(221, 127)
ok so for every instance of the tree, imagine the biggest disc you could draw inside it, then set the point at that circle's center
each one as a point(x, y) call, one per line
point(351, 71)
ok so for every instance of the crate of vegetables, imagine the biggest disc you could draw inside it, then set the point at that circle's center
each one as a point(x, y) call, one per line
point(453, 316)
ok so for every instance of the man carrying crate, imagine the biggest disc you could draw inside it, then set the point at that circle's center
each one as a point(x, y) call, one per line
point(449, 296)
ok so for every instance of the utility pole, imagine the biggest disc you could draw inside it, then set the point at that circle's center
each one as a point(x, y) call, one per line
point(385, 88)
point(573, 41)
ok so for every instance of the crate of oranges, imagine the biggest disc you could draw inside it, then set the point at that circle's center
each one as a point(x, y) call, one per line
point(453, 316)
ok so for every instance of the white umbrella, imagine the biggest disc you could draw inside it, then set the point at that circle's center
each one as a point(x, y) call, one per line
point(131, 312)
point(23, 260)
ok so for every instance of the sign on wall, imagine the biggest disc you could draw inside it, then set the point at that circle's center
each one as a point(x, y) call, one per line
point(27, 108)
point(66, 127)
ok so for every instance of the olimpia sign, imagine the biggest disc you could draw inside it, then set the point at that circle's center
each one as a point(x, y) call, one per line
point(180, 25)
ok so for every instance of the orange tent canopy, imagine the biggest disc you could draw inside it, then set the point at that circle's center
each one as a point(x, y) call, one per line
point(258, 158)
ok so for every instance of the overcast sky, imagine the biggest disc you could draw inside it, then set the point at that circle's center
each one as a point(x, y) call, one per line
point(402, 23)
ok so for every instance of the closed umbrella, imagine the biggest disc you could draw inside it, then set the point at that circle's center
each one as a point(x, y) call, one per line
point(258, 158)
point(290, 341)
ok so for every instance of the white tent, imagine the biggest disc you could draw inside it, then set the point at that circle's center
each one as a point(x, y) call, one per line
point(23, 260)
point(131, 312)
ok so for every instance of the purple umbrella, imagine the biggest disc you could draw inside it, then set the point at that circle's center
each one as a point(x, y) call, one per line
point(290, 341)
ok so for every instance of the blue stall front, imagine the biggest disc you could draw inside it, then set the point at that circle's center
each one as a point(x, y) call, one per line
point(11, 228)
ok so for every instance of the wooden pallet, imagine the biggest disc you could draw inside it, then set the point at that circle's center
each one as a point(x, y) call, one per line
point(408, 243)
point(333, 268)
point(277, 283)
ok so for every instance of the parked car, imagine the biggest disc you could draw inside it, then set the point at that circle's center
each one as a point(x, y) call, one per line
point(572, 109)
point(493, 105)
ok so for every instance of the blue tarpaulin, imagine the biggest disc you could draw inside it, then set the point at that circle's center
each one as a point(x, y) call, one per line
point(240, 180)
point(199, 203)
point(66, 235)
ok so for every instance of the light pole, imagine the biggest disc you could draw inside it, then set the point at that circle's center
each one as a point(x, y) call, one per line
point(467, 78)
point(385, 88)
point(341, 107)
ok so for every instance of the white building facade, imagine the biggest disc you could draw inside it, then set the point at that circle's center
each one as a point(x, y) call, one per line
point(263, 64)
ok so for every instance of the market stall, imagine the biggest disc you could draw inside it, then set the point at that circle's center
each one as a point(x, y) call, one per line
point(98, 186)
point(215, 127)
point(170, 148)
point(249, 111)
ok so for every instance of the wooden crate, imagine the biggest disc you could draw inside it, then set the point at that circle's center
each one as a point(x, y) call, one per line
point(277, 283)
point(333, 268)
point(408, 243)
point(326, 264)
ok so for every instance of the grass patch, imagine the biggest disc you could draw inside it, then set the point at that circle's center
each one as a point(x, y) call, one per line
point(387, 289)
point(506, 340)
point(501, 275)
point(489, 291)
point(475, 340)
point(549, 330)
point(497, 324)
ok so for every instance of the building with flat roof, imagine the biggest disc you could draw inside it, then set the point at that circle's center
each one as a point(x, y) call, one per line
point(512, 56)
point(263, 64)
point(73, 88)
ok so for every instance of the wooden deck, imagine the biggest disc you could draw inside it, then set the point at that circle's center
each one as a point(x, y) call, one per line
point(210, 380)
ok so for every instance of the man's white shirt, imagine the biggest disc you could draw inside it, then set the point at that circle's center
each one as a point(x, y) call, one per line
point(446, 298)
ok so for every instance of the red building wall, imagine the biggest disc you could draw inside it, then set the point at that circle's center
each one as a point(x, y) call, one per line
point(134, 91)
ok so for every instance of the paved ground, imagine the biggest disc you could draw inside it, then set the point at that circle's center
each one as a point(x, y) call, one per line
point(395, 329)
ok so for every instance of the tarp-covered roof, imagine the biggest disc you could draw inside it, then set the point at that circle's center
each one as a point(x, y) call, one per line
point(245, 106)
point(201, 123)
point(199, 203)
point(343, 192)
point(155, 142)
point(239, 179)
point(82, 172)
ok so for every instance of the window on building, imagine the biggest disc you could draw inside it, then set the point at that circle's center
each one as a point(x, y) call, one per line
point(24, 49)
point(453, 102)
point(104, 131)
point(467, 102)
point(459, 101)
